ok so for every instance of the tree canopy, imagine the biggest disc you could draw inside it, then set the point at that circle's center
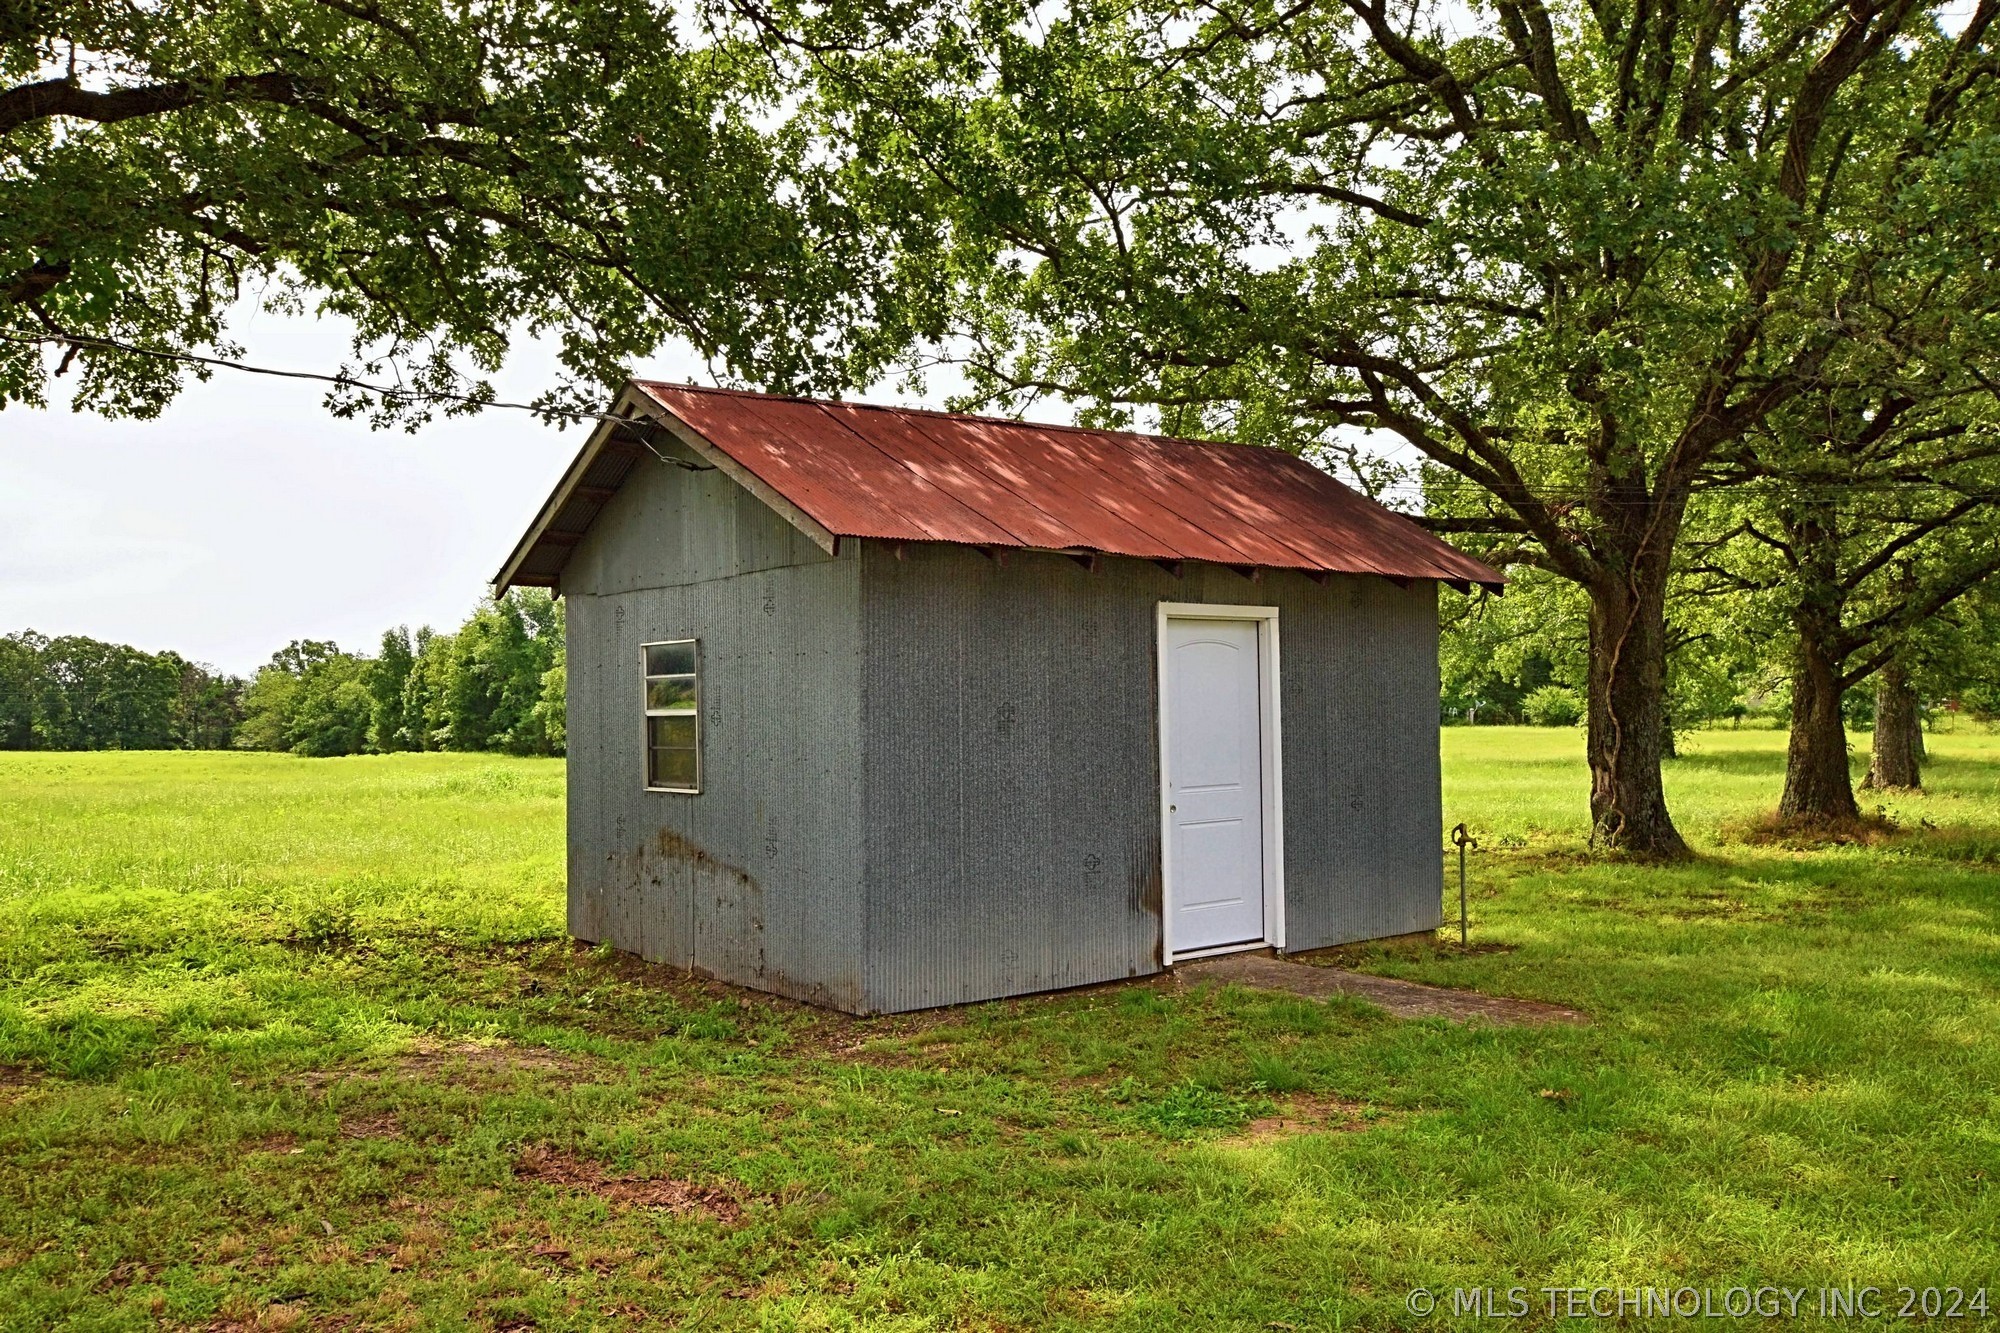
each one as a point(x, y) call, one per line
point(495, 683)
point(1867, 512)
point(447, 176)
point(1570, 254)
point(77, 693)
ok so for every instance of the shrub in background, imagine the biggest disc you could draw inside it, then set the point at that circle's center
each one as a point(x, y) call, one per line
point(1552, 706)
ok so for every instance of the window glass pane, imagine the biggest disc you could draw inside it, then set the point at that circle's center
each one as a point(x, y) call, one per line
point(673, 767)
point(670, 659)
point(670, 693)
point(675, 729)
point(673, 759)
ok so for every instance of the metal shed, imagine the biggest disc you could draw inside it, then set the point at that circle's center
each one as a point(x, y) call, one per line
point(884, 708)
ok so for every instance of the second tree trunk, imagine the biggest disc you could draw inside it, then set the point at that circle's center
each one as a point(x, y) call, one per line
point(1818, 787)
point(1627, 722)
point(1899, 733)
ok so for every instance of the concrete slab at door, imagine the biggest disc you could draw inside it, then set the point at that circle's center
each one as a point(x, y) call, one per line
point(1215, 787)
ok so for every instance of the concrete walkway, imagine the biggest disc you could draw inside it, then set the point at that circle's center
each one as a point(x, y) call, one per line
point(1405, 999)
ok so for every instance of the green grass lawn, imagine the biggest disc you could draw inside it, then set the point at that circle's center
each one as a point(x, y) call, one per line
point(300, 1043)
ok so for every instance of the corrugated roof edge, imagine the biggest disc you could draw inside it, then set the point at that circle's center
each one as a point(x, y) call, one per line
point(629, 401)
point(510, 573)
point(1474, 572)
point(650, 385)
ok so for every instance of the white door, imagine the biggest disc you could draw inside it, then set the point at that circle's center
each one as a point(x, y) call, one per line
point(1215, 786)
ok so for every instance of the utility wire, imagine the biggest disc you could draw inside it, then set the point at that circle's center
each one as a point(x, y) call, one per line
point(1406, 490)
point(1574, 491)
point(420, 396)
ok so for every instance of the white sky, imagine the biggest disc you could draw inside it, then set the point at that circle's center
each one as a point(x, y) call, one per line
point(247, 516)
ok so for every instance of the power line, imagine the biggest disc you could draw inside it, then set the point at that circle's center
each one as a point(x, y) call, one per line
point(1409, 490)
point(389, 391)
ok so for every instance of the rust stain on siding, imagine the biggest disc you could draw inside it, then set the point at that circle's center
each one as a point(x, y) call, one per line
point(1149, 891)
point(676, 848)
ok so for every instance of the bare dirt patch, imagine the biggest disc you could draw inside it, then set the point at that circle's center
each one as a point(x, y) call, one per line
point(468, 1062)
point(1405, 999)
point(17, 1081)
point(430, 1061)
point(566, 1171)
point(1302, 1113)
point(280, 1316)
point(1873, 829)
point(371, 1125)
point(124, 1274)
point(1423, 948)
point(895, 1042)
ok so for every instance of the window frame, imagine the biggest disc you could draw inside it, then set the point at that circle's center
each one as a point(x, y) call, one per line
point(646, 747)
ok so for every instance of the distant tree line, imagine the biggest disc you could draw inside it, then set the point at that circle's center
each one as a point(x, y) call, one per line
point(74, 693)
point(1524, 658)
point(495, 683)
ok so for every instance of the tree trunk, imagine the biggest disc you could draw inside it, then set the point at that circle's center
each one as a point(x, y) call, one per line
point(1818, 787)
point(1627, 720)
point(1898, 734)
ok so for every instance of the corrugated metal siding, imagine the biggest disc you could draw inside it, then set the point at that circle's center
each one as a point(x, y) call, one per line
point(589, 917)
point(671, 526)
point(1363, 815)
point(934, 779)
point(756, 880)
point(1012, 773)
point(1009, 776)
point(559, 525)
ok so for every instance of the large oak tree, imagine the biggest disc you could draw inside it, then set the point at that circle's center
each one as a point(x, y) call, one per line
point(1568, 252)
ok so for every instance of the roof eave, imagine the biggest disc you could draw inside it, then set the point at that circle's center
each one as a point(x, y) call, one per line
point(624, 408)
point(634, 406)
point(820, 535)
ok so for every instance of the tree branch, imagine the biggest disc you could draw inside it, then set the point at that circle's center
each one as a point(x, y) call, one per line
point(28, 103)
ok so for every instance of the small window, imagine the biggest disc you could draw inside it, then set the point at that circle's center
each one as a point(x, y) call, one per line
point(673, 719)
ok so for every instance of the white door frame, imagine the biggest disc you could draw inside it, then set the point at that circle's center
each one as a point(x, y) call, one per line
point(1266, 618)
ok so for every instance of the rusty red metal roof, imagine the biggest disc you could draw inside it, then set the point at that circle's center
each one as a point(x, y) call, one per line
point(907, 474)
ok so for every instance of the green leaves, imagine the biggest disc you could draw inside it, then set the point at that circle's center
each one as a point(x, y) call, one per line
point(447, 177)
point(1544, 247)
point(77, 693)
point(1569, 256)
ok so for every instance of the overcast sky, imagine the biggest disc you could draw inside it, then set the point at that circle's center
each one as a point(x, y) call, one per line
point(246, 516)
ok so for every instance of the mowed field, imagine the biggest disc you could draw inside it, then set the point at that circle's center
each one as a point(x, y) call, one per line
point(300, 1043)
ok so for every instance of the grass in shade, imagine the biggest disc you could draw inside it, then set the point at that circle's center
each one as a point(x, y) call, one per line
point(301, 1043)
